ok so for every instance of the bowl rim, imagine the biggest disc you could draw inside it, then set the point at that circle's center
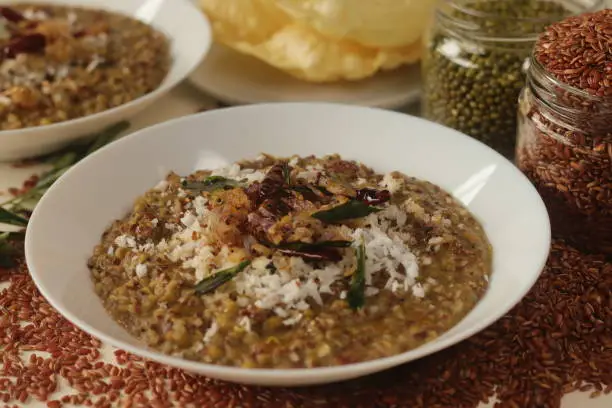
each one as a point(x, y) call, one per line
point(301, 375)
point(160, 90)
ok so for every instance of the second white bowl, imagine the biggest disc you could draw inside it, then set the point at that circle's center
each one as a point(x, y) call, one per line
point(190, 39)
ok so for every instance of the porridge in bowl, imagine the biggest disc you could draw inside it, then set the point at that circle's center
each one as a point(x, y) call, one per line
point(291, 263)
point(60, 63)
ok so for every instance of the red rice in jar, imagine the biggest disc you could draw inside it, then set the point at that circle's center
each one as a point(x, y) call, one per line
point(565, 128)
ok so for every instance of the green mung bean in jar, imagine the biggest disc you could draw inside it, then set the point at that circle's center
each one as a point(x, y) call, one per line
point(475, 52)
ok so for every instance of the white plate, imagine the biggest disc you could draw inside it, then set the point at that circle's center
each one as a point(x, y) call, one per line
point(178, 19)
point(71, 217)
point(239, 79)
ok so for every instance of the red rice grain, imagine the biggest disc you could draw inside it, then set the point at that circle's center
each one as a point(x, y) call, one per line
point(557, 340)
point(27, 185)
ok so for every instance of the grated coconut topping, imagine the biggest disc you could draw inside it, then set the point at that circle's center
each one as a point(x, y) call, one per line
point(295, 283)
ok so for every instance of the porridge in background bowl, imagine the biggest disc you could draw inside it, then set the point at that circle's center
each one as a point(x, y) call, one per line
point(61, 62)
point(291, 263)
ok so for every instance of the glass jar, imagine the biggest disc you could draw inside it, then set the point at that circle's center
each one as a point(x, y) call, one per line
point(475, 52)
point(564, 146)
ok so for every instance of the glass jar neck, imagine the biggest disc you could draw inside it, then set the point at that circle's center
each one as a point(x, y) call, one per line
point(510, 22)
point(575, 108)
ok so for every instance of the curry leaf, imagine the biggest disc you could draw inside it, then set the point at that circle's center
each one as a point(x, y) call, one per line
point(60, 163)
point(7, 217)
point(211, 183)
point(105, 137)
point(49, 178)
point(212, 282)
point(28, 203)
point(65, 160)
point(356, 293)
point(349, 210)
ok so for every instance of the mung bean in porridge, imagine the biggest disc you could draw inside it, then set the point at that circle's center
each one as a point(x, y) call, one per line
point(290, 263)
point(60, 63)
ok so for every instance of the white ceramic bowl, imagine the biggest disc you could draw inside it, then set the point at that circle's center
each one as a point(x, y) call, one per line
point(190, 36)
point(71, 217)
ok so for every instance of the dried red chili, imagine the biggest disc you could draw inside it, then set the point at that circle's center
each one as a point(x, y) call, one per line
point(27, 44)
point(274, 181)
point(373, 197)
point(11, 14)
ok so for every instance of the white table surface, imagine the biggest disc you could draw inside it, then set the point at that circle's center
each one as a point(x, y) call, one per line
point(185, 100)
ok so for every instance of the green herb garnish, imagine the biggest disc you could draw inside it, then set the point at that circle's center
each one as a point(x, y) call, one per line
point(212, 282)
point(7, 217)
point(356, 293)
point(61, 162)
point(349, 210)
point(15, 211)
point(210, 184)
point(304, 246)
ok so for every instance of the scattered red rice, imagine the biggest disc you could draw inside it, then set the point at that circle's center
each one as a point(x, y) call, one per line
point(559, 339)
point(26, 186)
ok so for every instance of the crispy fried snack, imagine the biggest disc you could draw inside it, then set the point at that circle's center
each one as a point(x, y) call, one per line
point(322, 40)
